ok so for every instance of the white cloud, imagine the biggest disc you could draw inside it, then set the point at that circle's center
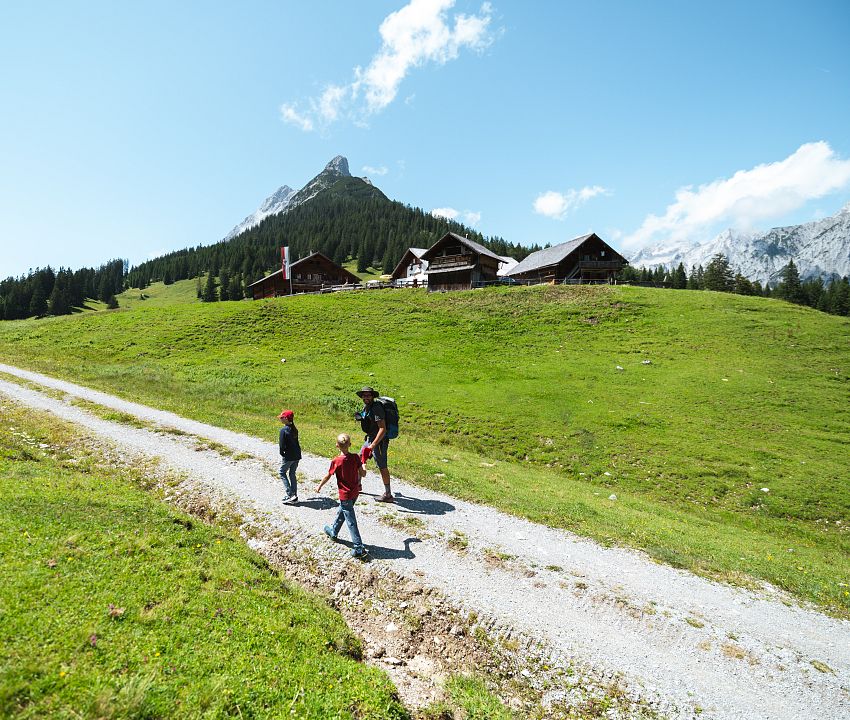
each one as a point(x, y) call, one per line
point(290, 115)
point(418, 34)
point(749, 196)
point(447, 212)
point(369, 170)
point(470, 217)
point(558, 205)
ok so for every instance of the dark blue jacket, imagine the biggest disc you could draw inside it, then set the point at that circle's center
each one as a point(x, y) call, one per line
point(290, 448)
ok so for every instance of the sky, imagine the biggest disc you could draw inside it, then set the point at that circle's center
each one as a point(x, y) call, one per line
point(134, 129)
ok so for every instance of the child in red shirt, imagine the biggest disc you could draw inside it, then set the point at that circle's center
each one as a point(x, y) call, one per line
point(348, 469)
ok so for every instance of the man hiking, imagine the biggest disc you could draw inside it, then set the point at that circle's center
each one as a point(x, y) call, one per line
point(373, 422)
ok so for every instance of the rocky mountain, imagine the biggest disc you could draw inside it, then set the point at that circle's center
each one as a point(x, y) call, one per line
point(819, 249)
point(275, 203)
point(285, 198)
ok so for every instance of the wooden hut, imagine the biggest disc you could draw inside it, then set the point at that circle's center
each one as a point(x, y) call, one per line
point(313, 273)
point(584, 259)
point(458, 263)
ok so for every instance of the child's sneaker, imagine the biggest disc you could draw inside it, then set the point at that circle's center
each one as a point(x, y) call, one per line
point(329, 532)
point(359, 553)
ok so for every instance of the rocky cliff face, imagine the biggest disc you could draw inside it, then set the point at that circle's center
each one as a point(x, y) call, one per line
point(818, 249)
point(285, 198)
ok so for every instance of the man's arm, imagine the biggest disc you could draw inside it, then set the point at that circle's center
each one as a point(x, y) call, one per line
point(382, 430)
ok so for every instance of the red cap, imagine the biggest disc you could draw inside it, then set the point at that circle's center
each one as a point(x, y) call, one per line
point(286, 415)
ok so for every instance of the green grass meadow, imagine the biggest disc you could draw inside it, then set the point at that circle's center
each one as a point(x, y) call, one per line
point(513, 397)
point(114, 605)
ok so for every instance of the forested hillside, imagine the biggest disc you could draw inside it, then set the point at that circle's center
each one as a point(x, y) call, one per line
point(351, 219)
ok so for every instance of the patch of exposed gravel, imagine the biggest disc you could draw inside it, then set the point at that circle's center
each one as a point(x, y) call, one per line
point(675, 643)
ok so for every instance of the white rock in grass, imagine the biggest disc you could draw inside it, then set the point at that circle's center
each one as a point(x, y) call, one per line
point(646, 362)
point(619, 367)
point(612, 496)
point(765, 490)
point(283, 359)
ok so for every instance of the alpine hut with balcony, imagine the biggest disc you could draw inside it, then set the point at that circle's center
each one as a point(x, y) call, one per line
point(314, 273)
point(585, 259)
point(458, 263)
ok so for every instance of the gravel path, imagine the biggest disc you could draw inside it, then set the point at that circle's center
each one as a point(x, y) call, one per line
point(688, 646)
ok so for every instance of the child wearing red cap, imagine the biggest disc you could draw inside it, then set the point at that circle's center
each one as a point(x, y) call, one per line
point(290, 452)
point(348, 469)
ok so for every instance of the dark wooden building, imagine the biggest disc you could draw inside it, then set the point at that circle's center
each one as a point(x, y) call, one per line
point(458, 263)
point(313, 273)
point(585, 259)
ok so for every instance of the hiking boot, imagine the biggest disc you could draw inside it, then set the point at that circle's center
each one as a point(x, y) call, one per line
point(329, 532)
point(386, 498)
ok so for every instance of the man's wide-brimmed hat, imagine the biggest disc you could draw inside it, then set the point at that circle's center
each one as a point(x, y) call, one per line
point(367, 389)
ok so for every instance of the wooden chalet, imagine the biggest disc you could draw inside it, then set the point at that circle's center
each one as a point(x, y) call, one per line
point(411, 268)
point(458, 263)
point(584, 259)
point(313, 273)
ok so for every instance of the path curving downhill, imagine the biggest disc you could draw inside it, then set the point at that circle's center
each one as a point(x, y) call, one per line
point(690, 646)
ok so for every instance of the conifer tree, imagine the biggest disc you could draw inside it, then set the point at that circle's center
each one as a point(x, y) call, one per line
point(209, 294)
point(234, 287)
point(789, 287)
point(743, 286)
point(680, 277)
point(718, 275)
point(38, 301)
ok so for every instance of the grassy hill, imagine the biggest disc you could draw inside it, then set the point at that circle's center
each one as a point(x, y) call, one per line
point(539, 401)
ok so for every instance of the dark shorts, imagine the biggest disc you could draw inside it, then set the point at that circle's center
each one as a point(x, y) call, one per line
point(380, 453)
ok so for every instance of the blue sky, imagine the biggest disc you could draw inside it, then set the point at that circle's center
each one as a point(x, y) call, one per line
point(128, 130)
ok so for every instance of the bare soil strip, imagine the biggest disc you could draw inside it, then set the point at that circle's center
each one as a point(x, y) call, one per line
point(674, 643)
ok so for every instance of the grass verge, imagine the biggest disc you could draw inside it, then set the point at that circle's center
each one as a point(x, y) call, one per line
point(113, 605)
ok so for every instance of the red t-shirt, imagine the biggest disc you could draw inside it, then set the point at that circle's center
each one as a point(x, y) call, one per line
point(347, 470)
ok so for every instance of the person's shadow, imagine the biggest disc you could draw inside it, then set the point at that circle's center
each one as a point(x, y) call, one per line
point(378, 552)
point(422, 507)
point(318, 503)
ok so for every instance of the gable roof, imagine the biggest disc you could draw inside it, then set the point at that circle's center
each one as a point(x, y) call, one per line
point(555, 254)
point(508, 263)
point(316, 255)
point(404, 262)
point(471, 244)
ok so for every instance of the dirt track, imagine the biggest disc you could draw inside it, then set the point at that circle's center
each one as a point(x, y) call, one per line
point(683, 645)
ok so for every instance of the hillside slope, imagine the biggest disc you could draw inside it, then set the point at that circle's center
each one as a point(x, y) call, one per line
point(514, 397)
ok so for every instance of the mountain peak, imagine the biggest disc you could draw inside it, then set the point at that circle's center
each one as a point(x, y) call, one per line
point(338, 166)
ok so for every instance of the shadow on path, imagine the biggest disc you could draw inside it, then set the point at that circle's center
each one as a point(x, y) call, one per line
point(318, 503)
point(407, 504)
point(378, 552)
